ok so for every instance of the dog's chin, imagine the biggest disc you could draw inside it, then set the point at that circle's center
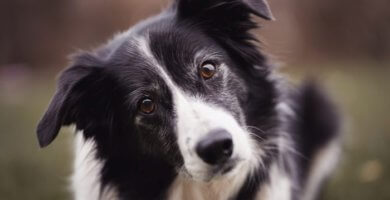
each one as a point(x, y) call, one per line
point(211, 173)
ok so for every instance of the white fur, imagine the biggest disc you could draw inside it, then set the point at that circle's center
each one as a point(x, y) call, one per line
point(220, 188)
point(196, 119)
point(86, 175)
point(285, 109)
point(324, 163)
point(278, 188)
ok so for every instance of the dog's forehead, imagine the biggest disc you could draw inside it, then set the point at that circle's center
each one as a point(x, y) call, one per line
point(176, 49)
point(170, 44)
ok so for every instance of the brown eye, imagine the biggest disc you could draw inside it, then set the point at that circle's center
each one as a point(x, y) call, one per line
point(147, 106)
point(207, 70)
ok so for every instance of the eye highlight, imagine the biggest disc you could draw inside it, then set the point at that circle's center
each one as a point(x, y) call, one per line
point(207, 70)
point(147, 105)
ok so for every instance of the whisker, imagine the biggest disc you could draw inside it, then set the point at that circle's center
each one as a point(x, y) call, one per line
point(256, 136)
point(256, 128)
point(287, 146)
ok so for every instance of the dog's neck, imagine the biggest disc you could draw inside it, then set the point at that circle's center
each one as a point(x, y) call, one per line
point(90, 178)
point(87, 182)
point(220, 188)
point(276, 187)
point(87, 179)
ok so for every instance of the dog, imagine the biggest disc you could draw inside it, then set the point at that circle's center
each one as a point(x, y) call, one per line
point(184, 105)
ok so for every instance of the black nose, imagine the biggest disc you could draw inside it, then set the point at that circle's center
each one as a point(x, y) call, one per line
point(216, 147)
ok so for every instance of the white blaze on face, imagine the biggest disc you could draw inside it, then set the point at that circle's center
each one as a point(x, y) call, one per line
point(195, 119)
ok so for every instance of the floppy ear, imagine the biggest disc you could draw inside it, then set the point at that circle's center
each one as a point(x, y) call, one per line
point(197, 7)
point(63, 109)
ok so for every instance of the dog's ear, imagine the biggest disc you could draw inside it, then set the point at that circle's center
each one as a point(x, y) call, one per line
point(63, 108)
point(228, 22)
point(224, 8)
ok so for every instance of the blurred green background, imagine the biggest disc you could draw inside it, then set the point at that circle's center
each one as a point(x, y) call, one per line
point(343, 43)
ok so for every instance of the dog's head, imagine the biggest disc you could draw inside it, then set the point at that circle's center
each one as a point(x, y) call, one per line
point(182, 88)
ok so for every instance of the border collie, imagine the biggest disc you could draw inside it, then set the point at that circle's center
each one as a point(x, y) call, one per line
point(185, 106)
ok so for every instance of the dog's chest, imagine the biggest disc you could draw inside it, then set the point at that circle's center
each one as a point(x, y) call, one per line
point(277, 188)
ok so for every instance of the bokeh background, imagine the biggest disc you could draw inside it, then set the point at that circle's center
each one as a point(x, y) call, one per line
point(343, 43)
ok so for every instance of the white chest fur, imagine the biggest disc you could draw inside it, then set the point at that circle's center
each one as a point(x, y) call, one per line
point(86, 181)
point(278, 188)
point(86, 175)
point(222, 189)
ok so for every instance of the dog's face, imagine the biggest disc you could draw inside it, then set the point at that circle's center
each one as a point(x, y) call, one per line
point(174, 90)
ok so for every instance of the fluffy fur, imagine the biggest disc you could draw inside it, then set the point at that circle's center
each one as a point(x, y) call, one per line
point(285, 140)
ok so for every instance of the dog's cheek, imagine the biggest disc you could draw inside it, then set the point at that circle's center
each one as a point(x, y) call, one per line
point(229, 101)
point(147, 134)
point(234, 90)
point(157, 138)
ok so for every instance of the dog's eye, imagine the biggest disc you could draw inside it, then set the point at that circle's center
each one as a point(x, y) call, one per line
point(207, 70)
point(147, 106)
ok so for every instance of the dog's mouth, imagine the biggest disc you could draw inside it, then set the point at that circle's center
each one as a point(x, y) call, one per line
point(213, 172)
point(225, 167)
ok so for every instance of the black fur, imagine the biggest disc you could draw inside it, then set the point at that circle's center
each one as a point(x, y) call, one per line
point(317, 123)
point(100, 94)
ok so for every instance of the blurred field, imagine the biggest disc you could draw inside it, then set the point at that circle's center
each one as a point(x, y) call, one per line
point(363, 93)
point(27, 172)
point(36, 36)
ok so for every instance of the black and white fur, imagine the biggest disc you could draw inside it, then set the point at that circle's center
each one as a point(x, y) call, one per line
point(285, 140)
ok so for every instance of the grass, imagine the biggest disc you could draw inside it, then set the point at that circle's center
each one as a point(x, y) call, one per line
point(363, 93)
point(28, 172)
